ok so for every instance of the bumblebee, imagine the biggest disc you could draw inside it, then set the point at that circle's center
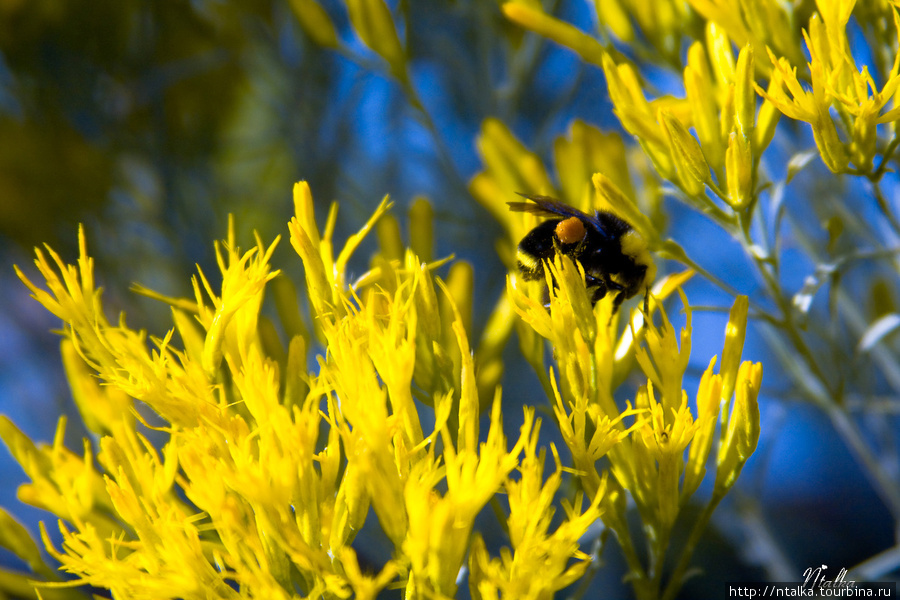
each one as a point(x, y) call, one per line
point(614, 256)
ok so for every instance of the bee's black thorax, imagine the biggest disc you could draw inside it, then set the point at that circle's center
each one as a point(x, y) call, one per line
point(596, 243)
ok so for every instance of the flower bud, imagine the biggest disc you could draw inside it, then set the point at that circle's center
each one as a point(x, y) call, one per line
point(769, 115)
point(373, 22)
point(739, 171)
point(686, 153)
point(315, 22)
point(830, 146)
point(742, 434)
point(700, 91)
point(744, 94)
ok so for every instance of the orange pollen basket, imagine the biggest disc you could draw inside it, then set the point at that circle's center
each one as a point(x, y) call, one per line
point(570, 231)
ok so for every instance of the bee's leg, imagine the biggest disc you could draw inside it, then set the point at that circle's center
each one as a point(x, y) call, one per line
point(620, 296)
point(545, 297)
point(617, 302)
point(612, 285)
point(557, 246)
point(599, 286)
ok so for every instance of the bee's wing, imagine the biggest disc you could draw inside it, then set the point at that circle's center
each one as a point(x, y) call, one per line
point(550, 207)
point(545, 206)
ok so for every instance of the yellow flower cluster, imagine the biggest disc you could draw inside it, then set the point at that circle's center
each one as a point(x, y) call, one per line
point(721, 90)
point(261, 473)
point(657, 449)
point(663, 460)
point(837, 85)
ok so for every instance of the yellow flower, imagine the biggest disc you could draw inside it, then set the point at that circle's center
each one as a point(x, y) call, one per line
point(637, 115)
point(509, 168)
point(440, 526)
point(666, 357)
point(650, 464)
point(589, 434)
point(325, 274)
point(266, 476)
point(723, 112)
point(61, 482)
point(739, 170)
point(584, 151)
point(262, 474)
point(365, 587)
point(647, 458)
point(535, 549)
point(836, 83)
point(701, 91)
point(761, 23)
point(663, 439)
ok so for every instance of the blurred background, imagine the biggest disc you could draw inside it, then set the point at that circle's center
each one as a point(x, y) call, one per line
point(151, 122)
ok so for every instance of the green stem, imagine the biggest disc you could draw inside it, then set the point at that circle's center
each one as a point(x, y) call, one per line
point(671, 249)
point(883, 204)
point(657, 563)
point(825, 395)
point(885, 485)
point(785, 321)
point(888, 154)
point(684, 558)
point(593, 568)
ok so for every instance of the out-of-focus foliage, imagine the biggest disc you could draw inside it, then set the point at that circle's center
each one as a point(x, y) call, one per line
point(89, 85)
point(751, 141)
